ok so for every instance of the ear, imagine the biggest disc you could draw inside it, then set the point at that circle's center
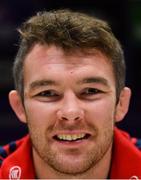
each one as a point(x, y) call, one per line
point(123, 104)
point(17, 105)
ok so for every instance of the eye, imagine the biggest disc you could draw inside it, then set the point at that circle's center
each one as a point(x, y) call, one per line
point(48, 95)
point(90, 93)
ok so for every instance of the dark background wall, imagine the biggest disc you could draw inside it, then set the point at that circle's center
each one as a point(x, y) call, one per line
point(124, 16)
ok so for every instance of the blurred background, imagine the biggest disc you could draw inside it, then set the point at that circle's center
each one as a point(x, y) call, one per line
point(124, 16)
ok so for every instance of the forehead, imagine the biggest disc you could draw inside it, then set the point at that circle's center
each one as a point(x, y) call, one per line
point(45, 60)
point(55, 55)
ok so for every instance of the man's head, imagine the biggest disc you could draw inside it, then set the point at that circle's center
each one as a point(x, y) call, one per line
point(69, 75)
point(71, 31)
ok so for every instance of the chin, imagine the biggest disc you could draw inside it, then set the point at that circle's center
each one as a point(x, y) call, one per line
point(72, 165)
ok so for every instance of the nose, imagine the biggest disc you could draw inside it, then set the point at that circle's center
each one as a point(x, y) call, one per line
point(70, 114)
point(70, 110)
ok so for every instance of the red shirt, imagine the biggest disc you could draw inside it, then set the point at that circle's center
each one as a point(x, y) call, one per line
point(125, 164)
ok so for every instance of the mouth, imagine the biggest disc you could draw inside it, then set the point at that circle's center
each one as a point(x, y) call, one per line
point(71, 137)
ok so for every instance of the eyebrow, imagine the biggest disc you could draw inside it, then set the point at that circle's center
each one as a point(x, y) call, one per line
point(98, 79)
point(41, 83)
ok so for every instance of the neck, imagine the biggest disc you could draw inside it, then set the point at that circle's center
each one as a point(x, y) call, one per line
point(99, 171)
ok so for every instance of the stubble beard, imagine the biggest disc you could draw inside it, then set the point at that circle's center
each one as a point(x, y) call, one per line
point(56, 161)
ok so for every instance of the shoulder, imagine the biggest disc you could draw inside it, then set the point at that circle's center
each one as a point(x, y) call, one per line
point(123, 135)
point(8, 149)
point(126, 156)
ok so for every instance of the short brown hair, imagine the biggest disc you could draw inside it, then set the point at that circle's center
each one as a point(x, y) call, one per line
point(70, 31)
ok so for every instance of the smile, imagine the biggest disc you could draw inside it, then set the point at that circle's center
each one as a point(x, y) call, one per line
point(71, 137)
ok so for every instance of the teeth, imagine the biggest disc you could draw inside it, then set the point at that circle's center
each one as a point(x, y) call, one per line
point(71, 137)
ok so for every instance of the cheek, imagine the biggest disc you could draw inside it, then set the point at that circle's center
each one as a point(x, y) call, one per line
point(40, 114)
point(101, 112)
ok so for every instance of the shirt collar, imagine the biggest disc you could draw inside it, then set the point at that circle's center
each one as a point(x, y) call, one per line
point(126, 158)
point(19, 165)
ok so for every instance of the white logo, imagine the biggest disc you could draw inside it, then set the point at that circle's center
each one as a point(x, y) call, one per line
point(134, 177)
point(15, 173)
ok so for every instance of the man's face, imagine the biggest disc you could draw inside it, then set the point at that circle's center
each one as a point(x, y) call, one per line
point(70, 104)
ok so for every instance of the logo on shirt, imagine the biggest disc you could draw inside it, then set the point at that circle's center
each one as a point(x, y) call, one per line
point(15, 173)
point(134, 177)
